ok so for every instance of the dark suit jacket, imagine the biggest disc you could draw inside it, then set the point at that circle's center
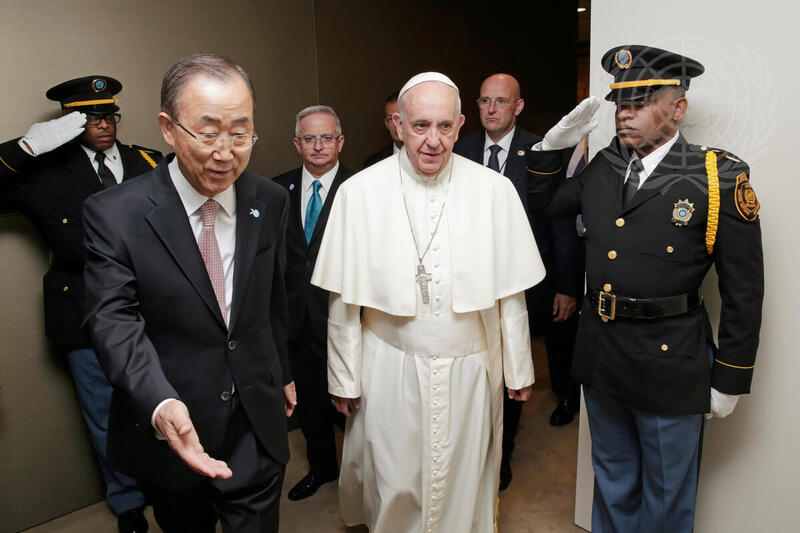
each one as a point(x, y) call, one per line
point(158, 332)
point(50, 191)
point(306, 302)
point(385, 152)
point(661, 365)
point(558, 242)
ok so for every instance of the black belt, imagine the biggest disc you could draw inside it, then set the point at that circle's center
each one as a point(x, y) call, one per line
point(611, 306)
point(66, 264)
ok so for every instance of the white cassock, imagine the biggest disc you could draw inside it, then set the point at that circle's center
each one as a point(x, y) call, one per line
point(422, 453)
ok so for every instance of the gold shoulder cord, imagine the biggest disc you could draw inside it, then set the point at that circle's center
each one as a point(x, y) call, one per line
point(712, 221)
point(147, 158)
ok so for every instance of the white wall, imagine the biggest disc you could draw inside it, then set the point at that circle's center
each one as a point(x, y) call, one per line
point(745, 103)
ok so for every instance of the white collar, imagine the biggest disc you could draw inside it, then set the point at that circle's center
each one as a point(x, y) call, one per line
point(652, 160)
point(408, 168)
point(192, 199)
point(504, 143)
point(111, 153)
point(326, 179)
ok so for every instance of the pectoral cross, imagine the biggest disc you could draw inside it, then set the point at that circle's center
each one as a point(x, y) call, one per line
point(423, 278)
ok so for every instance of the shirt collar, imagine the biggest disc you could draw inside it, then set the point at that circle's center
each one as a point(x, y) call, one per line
point(652, 160)
point(326, 179)
point(192, 199)
point(504, 143)
point(111, 153)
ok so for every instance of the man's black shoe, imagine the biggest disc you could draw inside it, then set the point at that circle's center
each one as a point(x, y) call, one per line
point(132, 521)
point(564, 412)
point(309, 485)
point(505, 474)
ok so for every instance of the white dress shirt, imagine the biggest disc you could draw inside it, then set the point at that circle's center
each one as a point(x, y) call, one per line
point(651, 160)
point(308, 189)
point(113, 161)
point(224, 229)
point(502, 155)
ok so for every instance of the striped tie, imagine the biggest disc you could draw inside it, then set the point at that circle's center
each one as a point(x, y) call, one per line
point(209, 250)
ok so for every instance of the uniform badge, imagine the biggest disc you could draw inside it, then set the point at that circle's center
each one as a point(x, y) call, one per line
point(623, 58)
point(98, 85)
point(682, 212)
point(746, 201)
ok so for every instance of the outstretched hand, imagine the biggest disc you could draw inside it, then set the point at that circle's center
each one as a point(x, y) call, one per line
point(175, 425)
point(574, 126)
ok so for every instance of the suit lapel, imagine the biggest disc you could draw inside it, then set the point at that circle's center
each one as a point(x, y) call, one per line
point(80, 166)
point(295, 197)
point(319, 228)
point(667, 171)
point(250, 214)
point(516, 165)
point(169, 221)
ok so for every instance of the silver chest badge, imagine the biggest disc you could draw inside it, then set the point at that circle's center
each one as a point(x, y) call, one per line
point(682, 212)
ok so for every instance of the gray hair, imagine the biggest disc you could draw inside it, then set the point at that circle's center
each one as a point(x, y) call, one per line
point(214, 66)
point(401, 102)
point(312, 109)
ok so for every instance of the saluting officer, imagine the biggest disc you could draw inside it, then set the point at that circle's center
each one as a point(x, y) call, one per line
point(47, 175)
point(658, 212)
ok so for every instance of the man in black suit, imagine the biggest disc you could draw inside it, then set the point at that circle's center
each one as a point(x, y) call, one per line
point(47, 175)
point(187, 312)
point(552, 303)
point(312, 187)
point(389, 108)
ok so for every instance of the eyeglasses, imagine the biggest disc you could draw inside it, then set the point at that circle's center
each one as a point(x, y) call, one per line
point(326, 140)
point(484, 102)
point(111, 118)
point(240, 141)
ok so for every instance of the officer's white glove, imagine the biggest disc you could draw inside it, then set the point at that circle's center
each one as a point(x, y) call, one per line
point(721, 404)
point(46, 136)
point(573, 127)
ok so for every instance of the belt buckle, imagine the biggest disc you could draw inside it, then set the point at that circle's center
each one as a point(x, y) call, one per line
point(604, 301)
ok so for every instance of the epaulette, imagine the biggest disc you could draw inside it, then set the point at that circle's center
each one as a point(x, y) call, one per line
point(718, 151)
point(145, 153)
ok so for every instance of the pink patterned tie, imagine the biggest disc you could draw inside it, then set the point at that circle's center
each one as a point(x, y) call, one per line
point(209, 249)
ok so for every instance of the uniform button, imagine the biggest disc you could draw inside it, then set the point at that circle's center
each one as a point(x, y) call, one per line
point(231, 345)
point(64, 220)
point(607, 287)
point(670, 249)
point(584, 230)
point(704, 148)
point(612, 254)
point(664, 347)
point(225, 395)
point(66, 288)
point(620, 222)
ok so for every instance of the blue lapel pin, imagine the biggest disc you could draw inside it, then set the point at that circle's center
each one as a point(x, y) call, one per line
point(291, 186)
point(255, 213)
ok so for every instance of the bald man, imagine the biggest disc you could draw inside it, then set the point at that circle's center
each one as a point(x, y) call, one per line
point(427, 318)
point(551, 304)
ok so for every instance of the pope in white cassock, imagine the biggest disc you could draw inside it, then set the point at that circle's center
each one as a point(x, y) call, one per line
point(436, 251)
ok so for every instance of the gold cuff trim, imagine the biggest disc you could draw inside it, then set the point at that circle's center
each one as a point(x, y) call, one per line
point(148, 158)
point(643, 83)
point(546, 173)
point(736, 367)
point(92, 102)
point(712, 221)
point(12, 169)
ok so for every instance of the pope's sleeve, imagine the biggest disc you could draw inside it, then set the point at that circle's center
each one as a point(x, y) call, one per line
point(344, 348)
point(515, 331)
point(739, 262)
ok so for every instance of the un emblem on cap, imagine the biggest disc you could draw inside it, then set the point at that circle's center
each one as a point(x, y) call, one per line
point(623, 58)
point(98, 85)
point(682, 212)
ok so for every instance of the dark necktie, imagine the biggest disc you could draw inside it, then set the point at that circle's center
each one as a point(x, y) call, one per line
point(103, 171)
point(494, 163)
point(632, 183)
point(312, 211)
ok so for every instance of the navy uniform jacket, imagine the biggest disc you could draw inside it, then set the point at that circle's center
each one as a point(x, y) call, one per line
point(558, 242)
point(306, 302)
point(50, 191)
point(158, 331)
point(662, 365)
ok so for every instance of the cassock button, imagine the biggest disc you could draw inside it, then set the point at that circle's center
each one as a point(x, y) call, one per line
point(612, 254)
point(607, 287)
point(620, 222)
point(231, 345)
point(664, 347)
point(225, 395)
point(670, 249)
